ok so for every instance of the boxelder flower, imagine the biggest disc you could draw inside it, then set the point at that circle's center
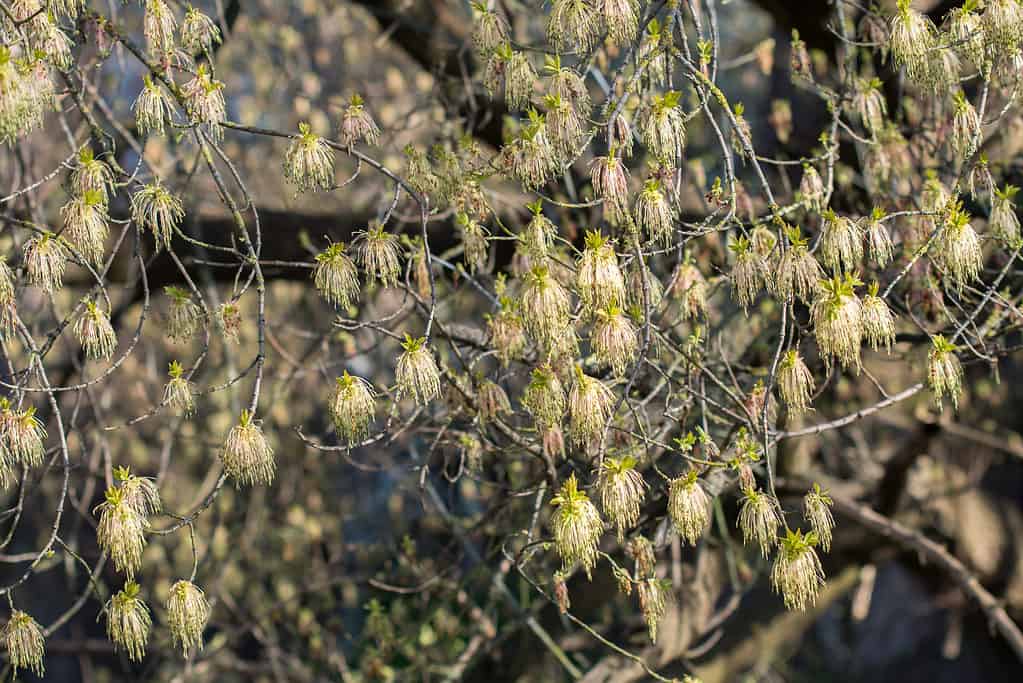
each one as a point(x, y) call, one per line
point(577, 526)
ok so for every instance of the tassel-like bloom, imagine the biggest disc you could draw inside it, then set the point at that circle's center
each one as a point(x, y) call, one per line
point(158, 26)
point(506, 332)
point(544, 397)
point(490, 30)
point(1003, 26)
point(759, 520)
point(689, 507)
point(25, 643)
point(878, 321)
point(641, 551)
point(869, 103)
point(577, 526)
point(45, 261)
point(92, 175)
point(663, 128)
point(419, 173)
point(957, 248)
point(749, 272)
point(309, 161)
point(944, 371)
point(622, 489)
point(912, 37)
point(199, 33)
point(204, 98)
point(570, 87)
point(128, 621)
point(690, 287)
point(531, 156)
point(795, 382)
point(154, 207)
point(654, 214)
point(654, 597)
point(817, 511)
point(611, 183)
point(841, 243)
point(492, 401)
point(179, 393)
point(599, 280)
point(838, 321)
point(246, 455)
point(965, 127)
point(229, 320)
point(538, 235)
point(85, 222)
point(879, 242)
point(544, 306)
point(572, 25)
point(50, 41)
point(519, 76)
point(184, 317)
point(22, 435)
point(941, 71)
point(187, 614)
point(352, 408)
point(378, 253)
point(621, 18)
point(798, 272)
point(139, 493)
point(1003, 221)
point(95, 333)
point(21, 107)
point(121, 531)
point(475, 246)
point(966, 33)
point(566, 128)
point(336, 277)
point(614, 339)
point(590, 404)
point(8, 302)
point(811, 189)
point(797, 573)
point(153, 107)
point(357, 124)
point(638, 277)
point(416, 372)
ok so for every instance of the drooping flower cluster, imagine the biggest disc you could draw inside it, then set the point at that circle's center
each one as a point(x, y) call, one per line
point(336, 276)
point(797, 573)
point(352, 407)
point(95, 333)
point(309, 162)
point(187, 614)
point(122, 529)
point(179, 392)
point(759, 520)
point(795, 382)
point(622, 489)
point(246, 455)
point(22, 436)
point(128, 621)
point(944, 372)
point(577, 526)
point(45, 262)
point(837, 320)
point(25, 644)
point(416, 371)
point(689, 507)
point(157, 209)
